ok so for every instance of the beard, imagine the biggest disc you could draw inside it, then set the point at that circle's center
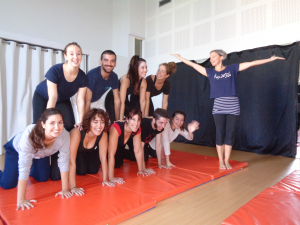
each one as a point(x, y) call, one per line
point(155, 125)
point(103, 67)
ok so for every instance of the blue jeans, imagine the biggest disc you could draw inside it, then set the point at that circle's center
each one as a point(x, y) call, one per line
point(40, 169)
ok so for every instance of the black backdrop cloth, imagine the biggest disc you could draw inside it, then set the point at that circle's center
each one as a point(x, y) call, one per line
point(267, 95)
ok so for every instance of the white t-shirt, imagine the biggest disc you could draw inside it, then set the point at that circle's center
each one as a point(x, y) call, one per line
point(168, 135)
point(26, 152)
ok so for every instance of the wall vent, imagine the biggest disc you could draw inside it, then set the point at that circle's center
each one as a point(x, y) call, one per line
point(163, 2)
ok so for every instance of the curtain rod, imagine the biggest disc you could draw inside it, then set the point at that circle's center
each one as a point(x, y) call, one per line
point(31, 46)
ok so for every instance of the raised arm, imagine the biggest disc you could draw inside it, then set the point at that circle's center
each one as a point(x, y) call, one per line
point(246, 65)
point(143, 96)
point(103, 143)
point(196, 66)
point(52, 93)
point(88, 99)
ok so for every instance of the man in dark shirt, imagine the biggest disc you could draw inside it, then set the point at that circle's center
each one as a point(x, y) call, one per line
point(101, 79)
point(153, 127)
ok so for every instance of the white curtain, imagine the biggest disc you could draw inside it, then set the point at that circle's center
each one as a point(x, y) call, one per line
point(22, 68)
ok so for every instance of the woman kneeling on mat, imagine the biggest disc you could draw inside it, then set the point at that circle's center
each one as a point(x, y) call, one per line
point(32, 148)
point(172, 129)
point(120, 133)
point(88, 147)
point(226, 104)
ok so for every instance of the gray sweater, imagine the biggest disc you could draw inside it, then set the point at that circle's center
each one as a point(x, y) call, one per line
point(26, 152)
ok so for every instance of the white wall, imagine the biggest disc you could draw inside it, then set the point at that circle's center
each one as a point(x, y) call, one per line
point(56, 23)
point(193, 28)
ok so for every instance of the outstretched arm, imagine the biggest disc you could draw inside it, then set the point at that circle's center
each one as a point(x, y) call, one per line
point(246, 65)
point(196, 66)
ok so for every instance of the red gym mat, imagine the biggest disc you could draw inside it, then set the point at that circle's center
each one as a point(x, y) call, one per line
point(290, 183)
point(100, 205)
point(166, 183)
point(204, 164)
point(272, 206)
point(105, 205)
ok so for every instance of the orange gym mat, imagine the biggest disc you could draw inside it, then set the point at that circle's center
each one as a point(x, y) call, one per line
point(106, 205)
point(272, 206)
point(290, 183)
point(207, 165)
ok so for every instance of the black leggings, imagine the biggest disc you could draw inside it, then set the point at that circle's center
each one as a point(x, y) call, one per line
point(39, 105)
point(225, 128)
point(87, 162)
point(129, 154)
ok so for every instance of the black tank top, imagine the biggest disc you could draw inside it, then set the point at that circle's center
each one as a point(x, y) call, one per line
point(81, 148)
point(121, 136)
point(152, 89)
point(130, 89)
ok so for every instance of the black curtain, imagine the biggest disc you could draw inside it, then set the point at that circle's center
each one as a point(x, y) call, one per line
point(267, 94)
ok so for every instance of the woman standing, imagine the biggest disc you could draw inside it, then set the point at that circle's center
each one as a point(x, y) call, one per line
point(226, 104)
point(88, 147)
point(172, 129)
point(159, 84)
point(120, 134)
point(31, 149)
point(61, 83)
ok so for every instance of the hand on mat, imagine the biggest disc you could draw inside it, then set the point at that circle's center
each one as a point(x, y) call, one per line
point(77, 191)
point(164, 166)
point(146, 172)
point(194, 125)
point(142, 173)
point(78, 126)
point(117, 180)
point(170, 164)
point(25, 203)
point(108, 183)
point(277, 57)
point(63, 194)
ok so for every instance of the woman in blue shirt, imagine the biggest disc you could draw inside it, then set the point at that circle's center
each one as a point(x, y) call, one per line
point(226, 107)
point(62, 82)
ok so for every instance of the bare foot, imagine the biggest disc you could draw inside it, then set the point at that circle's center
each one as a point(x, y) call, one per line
point(228, 166)
point(222, 166)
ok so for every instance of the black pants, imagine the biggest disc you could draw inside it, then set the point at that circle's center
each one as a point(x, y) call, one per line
point(39, 105)
point(129, 154)
point(87, 162)
point(225, 128)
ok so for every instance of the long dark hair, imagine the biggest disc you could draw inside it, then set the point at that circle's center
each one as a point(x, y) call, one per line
point(37, 135)
point(182, 127)
point(133, 72)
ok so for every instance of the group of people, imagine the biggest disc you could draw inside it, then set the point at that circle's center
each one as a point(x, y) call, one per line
point(57, 148)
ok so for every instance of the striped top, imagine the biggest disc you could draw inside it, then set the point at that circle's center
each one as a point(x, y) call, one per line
point(226, 105)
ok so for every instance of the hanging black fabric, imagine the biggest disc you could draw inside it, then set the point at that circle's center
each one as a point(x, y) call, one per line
point(267, 95)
